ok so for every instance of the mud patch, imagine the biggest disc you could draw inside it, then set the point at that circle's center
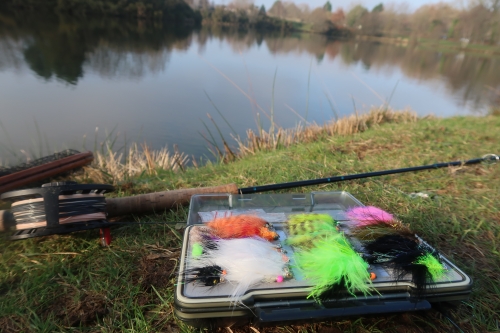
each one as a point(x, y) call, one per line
point(12, 324)
point(82, 311)
point(156, 270)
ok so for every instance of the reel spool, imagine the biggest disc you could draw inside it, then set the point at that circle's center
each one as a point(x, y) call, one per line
point(59, 208)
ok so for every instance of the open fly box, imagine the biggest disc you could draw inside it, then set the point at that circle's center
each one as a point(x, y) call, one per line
point(271, 303)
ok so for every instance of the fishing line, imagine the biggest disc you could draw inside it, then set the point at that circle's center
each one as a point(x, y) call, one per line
point(30, 213)
point(64, 207)
point(58, 208)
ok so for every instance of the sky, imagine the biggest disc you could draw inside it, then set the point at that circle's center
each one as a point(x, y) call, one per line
point(412, 4)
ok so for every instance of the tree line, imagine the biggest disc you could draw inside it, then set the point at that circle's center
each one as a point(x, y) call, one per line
point(170, 11)
point(241, 13)
point(244, 14)
point(477, 22)
point(244, 17)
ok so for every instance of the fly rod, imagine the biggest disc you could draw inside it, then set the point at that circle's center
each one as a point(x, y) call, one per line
point(491, 158)
point(159, 201)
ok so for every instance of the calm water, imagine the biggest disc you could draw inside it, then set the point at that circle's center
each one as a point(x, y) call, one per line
point(61, 79)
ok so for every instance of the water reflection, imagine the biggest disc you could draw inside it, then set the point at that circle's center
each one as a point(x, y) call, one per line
point(151, 79)
point(61, 47)
point(469, 75)
point(64, 48)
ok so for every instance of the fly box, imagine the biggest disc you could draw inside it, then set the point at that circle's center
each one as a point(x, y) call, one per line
point(292, 294)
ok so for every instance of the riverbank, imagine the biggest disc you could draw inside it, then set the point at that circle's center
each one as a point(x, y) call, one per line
point(399, 41)
point(58, 283)
point(459, 46)
point(112, 167)
point(434, 44)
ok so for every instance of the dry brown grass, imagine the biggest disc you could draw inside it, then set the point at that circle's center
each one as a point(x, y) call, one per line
point(495, 111)
point(112, 166)
point(345, 126)
point(109, 166)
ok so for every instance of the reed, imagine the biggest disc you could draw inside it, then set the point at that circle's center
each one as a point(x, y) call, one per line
point(282, 138)
point(111, 166)
point(495, 111)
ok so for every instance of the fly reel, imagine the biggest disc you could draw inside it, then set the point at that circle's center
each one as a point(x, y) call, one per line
point(59, 208)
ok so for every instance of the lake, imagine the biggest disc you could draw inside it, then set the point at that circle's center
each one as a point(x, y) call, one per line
point(67, 83)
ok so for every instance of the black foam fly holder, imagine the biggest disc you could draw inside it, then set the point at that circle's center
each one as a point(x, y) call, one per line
point(50, 194)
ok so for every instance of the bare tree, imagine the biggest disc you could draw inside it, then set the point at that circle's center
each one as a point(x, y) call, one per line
point(354, 16)
point(277, 10)
point(477, 24)
point(242, 4)
point(434, 20)
point(304, 8)
point(491, 5)
point(338, 17)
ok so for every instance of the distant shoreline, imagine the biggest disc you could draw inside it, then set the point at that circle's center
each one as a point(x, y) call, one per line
point(442, 45)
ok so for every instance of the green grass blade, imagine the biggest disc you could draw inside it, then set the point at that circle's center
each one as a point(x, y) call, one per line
point(308, 90)
point(220, 113)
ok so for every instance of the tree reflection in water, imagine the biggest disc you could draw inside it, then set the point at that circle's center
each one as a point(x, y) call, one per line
point(61, 47)
point(144, 82)
point(66, 48)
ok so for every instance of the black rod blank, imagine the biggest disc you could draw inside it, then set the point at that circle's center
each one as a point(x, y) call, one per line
point(334, 179)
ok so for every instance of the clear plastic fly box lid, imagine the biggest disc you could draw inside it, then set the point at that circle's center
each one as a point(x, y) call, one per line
point(208, 286)
point(274, 208)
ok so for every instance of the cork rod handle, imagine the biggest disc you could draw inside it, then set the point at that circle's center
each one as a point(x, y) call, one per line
point(160, 201)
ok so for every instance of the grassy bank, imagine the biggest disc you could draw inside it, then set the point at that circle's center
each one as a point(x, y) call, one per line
point(69, 283)
point(435, 44)
point(113, 167)
point(457, 46)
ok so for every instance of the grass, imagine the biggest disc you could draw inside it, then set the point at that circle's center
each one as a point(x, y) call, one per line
point(448, 45)
point(69, 283)
point(353, 124)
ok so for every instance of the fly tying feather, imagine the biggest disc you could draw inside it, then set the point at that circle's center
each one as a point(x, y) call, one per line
point(369, 223)
point(332, 266)
point(374, 231)
point(207, 276)
point(326, 258)
point(407, 256)
point(201, 239)
point(245, 263)
point(240, 226)
point(303, 229)
point(362, 216)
